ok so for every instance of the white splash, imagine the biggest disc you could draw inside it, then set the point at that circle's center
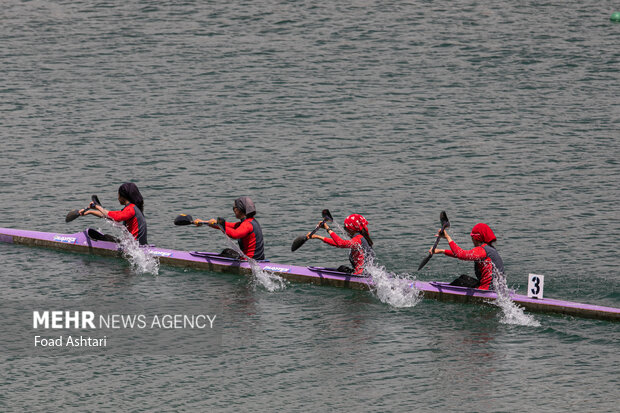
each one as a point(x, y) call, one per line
point(511, 312)
point(393, 289)
point(140, 260)
point(396, 290)
point(267, 279)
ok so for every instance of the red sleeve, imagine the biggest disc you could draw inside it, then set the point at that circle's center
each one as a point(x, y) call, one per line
point(329, 241)
point(336, 241)
point(125, 215)
point(475, 254)
point(239, 231)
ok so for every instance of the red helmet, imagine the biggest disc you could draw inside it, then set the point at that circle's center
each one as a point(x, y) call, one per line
point(483, 233)
point(356, 223)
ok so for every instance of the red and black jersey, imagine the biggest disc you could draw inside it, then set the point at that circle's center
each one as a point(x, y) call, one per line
point(134, 221)
point(360, 250)
point(250, 236)
point(486, 260)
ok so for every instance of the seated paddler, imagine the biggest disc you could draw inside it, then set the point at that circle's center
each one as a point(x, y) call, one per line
point(131, 215)
point(360, 243)
point(488, 263)
point(247, 230)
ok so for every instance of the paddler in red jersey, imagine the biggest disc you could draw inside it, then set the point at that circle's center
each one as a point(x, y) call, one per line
point(132, 214)
point(247, 230)
point(487, 261)
point(360, 243)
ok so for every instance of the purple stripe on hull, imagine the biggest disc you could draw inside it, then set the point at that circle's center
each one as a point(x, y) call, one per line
point(6, 238)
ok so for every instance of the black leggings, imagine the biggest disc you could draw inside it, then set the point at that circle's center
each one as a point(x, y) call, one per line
point(230, 253)
point(344, 268)
point(466, 281)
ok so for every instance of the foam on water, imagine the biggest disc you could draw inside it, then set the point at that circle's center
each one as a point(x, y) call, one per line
point(511, 312)
point(140, 260)
point(396, 290)
point(267, 279)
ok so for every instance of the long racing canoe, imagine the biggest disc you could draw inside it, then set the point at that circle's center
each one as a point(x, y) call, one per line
point(81, 243)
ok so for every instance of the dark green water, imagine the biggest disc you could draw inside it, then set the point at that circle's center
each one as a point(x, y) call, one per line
point(506, 113)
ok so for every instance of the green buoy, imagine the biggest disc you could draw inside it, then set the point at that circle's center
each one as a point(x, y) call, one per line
point(615, 17)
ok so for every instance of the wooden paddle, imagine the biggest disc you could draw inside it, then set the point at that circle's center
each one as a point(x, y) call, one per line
point(445, 223)
point(300, 240)
point(76, 212)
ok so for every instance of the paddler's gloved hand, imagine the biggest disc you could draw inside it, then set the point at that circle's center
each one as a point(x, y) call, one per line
point(212, 223)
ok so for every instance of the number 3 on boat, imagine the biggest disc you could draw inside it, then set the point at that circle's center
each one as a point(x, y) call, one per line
point(535, 286)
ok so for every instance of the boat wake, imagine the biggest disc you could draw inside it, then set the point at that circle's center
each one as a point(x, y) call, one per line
point(511, 312)
point(140, 260)
point(393, 289)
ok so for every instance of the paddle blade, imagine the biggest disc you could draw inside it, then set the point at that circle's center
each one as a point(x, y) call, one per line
point(299, 241)
point(424, 261)
point(327, 216)
point(72, 215)
point(184, 219)
point(221, 222)
point(95, 200)
point(443, 218)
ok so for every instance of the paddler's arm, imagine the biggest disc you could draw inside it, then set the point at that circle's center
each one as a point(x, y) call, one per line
point(90, 212)
point(240, 229)
point(212, 223)
point(99, 211)
point(314, 236)
point(326, 240)
point(475, 254)
point(310, 235)
point(124, 214)
point(443, 234)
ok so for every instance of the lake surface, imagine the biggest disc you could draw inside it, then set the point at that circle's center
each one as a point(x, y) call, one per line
point(506, 113)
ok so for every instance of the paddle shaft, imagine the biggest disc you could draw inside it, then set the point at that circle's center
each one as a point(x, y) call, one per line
point(438, 238)
point(76, 212)
point(430, 254)
point(317, 228)
point(301, 240)
point(95, 202)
